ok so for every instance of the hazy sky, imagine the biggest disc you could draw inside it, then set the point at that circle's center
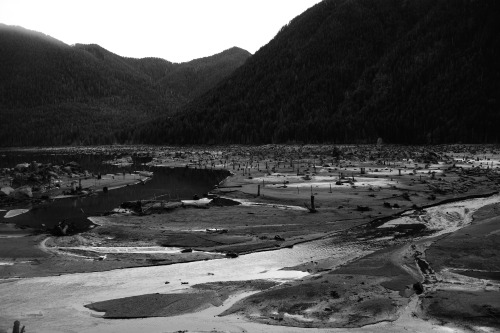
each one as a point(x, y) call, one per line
point(176, 30)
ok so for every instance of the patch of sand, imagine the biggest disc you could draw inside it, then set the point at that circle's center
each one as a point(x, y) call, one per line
point(246, 203)
point(15, 212)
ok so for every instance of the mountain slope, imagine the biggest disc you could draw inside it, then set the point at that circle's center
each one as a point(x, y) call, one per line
point(195, 77)
point(413, 71)
point(55, 94)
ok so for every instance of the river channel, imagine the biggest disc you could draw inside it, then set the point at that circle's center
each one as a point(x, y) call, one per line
point(56, 304)
point(166, 183)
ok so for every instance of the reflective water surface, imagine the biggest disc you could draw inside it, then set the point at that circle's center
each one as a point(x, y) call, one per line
point(167, 183)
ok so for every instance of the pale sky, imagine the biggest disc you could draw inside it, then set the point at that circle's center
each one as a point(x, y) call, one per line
point(175, 30)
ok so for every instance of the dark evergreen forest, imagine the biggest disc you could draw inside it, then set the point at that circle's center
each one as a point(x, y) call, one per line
point(351, 71)
point(55, 94)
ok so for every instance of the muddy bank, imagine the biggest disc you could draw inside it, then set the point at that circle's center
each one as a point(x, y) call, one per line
point(378, 286)
point(366, 291)
point(475, 247)
point(201, 296)
point(466, 287)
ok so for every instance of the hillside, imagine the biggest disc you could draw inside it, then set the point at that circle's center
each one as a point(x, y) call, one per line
point(415, 71)
point(55, 94)
point(195, 77)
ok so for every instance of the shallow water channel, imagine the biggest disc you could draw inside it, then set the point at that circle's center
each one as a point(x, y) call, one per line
point(55, 304)
point(166, 183)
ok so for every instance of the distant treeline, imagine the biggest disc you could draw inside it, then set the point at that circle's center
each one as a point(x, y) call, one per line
point(414, 71)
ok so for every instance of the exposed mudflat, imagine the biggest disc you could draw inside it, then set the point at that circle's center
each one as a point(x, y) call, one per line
point(378, 286)
point(166, 305)
point(466, 265)
point(395, 242)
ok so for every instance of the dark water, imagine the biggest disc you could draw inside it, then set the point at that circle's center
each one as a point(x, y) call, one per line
point(166, 183)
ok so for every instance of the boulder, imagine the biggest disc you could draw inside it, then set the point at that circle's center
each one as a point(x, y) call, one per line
point(222, 202)
point(22, 166)
point(136, 206)
point(232, 255)
point(418, 287)
point(363, 208)
point(23, 192)
point(7, 190)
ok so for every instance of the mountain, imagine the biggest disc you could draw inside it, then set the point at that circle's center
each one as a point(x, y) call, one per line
point(55, 94)
point(352, 71)
point(195, 77)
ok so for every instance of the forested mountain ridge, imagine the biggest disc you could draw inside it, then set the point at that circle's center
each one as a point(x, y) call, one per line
point(152, 69)
point(414, 71)
point(55, 94)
